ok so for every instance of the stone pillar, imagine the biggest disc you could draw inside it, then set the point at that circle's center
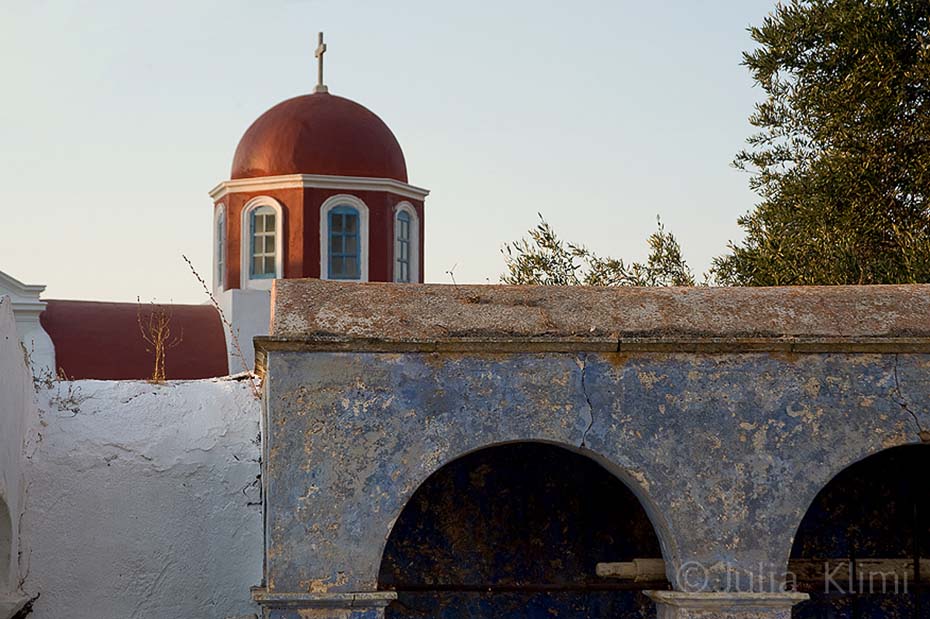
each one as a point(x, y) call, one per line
point(724, 605)
point(353, 605)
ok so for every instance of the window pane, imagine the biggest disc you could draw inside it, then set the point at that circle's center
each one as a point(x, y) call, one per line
point(256, 266)
point(351, 245)
point(335, 244)
point(269, 244)
point(335, 224)
point(269, 264)
point(352, 224)
point(338, 267)
point(404, 272)
point(352, 267)
point(269, 223)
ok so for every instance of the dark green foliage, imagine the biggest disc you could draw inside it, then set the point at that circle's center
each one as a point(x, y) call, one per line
point(841, 160)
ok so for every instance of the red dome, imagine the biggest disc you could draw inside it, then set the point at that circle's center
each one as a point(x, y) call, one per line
point(319, 134)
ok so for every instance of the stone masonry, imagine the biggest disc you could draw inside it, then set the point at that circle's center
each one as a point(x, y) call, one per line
point(725, 411)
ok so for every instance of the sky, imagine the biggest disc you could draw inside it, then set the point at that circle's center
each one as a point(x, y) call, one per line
point(118, 117)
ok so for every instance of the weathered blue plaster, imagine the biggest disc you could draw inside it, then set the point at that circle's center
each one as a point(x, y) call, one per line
point(725, 451)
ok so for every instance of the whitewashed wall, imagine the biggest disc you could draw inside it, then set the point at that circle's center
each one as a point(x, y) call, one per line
point(250, 313)
point(17, 413)
point(27, 306)
point(143, 500)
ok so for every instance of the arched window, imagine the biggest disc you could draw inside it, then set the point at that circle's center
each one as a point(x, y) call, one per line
point(220, 250)
point(344, 246)
point(263, 244)
point(261, 248)
point(402, 247)
point(406, 249)
point(344, 238)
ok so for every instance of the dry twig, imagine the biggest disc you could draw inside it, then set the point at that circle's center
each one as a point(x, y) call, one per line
point(233, 336)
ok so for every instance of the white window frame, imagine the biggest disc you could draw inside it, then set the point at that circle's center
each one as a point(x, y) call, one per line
point(414, 265)
point(344, 199)
point(219, 275)
point(245, 249)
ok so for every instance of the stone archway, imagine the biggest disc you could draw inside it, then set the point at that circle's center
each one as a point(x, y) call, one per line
point(870, 525)
point(516, 530)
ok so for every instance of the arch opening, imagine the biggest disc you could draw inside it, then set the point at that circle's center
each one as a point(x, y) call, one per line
point(516, 530)
point(862, 549)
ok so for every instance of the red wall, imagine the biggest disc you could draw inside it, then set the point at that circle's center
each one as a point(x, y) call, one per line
point(302, 231)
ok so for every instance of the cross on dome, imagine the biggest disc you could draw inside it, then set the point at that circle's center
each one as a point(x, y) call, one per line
point(318, 54)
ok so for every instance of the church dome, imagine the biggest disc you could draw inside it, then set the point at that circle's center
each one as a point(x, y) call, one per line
point(319, 134)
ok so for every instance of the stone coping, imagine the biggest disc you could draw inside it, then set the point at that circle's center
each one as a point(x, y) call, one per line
point(309, 314)
point(352, 599)
point(727, 600)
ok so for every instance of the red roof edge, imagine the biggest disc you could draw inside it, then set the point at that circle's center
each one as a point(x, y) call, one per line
point(103, 340)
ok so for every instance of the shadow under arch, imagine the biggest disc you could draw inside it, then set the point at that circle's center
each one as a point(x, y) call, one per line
point(515, 530)
point(857, 546)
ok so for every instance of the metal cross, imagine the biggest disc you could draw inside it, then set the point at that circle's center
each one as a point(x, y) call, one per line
point(320, 50)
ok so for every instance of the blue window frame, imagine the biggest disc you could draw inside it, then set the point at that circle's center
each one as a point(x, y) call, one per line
point(344, 250)
point(402, 247)
point(221, 249)
point(263, 235)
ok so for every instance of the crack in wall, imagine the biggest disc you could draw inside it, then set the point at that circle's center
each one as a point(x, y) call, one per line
point(23, 551)
point(584, 390)
point(898, 399)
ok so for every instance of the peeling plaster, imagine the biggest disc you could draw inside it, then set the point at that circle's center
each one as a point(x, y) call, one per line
point(726, 450)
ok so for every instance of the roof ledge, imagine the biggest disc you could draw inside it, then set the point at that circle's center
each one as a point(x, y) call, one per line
point(310, 314)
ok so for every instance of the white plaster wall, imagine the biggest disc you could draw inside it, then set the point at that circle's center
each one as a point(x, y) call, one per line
point(249, 311)
point(27, 307)
point(143, 500)
point(38, 344)
point(17, 412)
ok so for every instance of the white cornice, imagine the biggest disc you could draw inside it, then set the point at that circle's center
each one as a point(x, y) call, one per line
point(317, 181)
point(25, 297)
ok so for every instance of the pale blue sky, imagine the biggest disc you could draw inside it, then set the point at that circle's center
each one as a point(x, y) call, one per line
point(117, 118)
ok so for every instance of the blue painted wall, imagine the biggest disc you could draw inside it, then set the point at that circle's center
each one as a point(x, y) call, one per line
point(725, 452)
